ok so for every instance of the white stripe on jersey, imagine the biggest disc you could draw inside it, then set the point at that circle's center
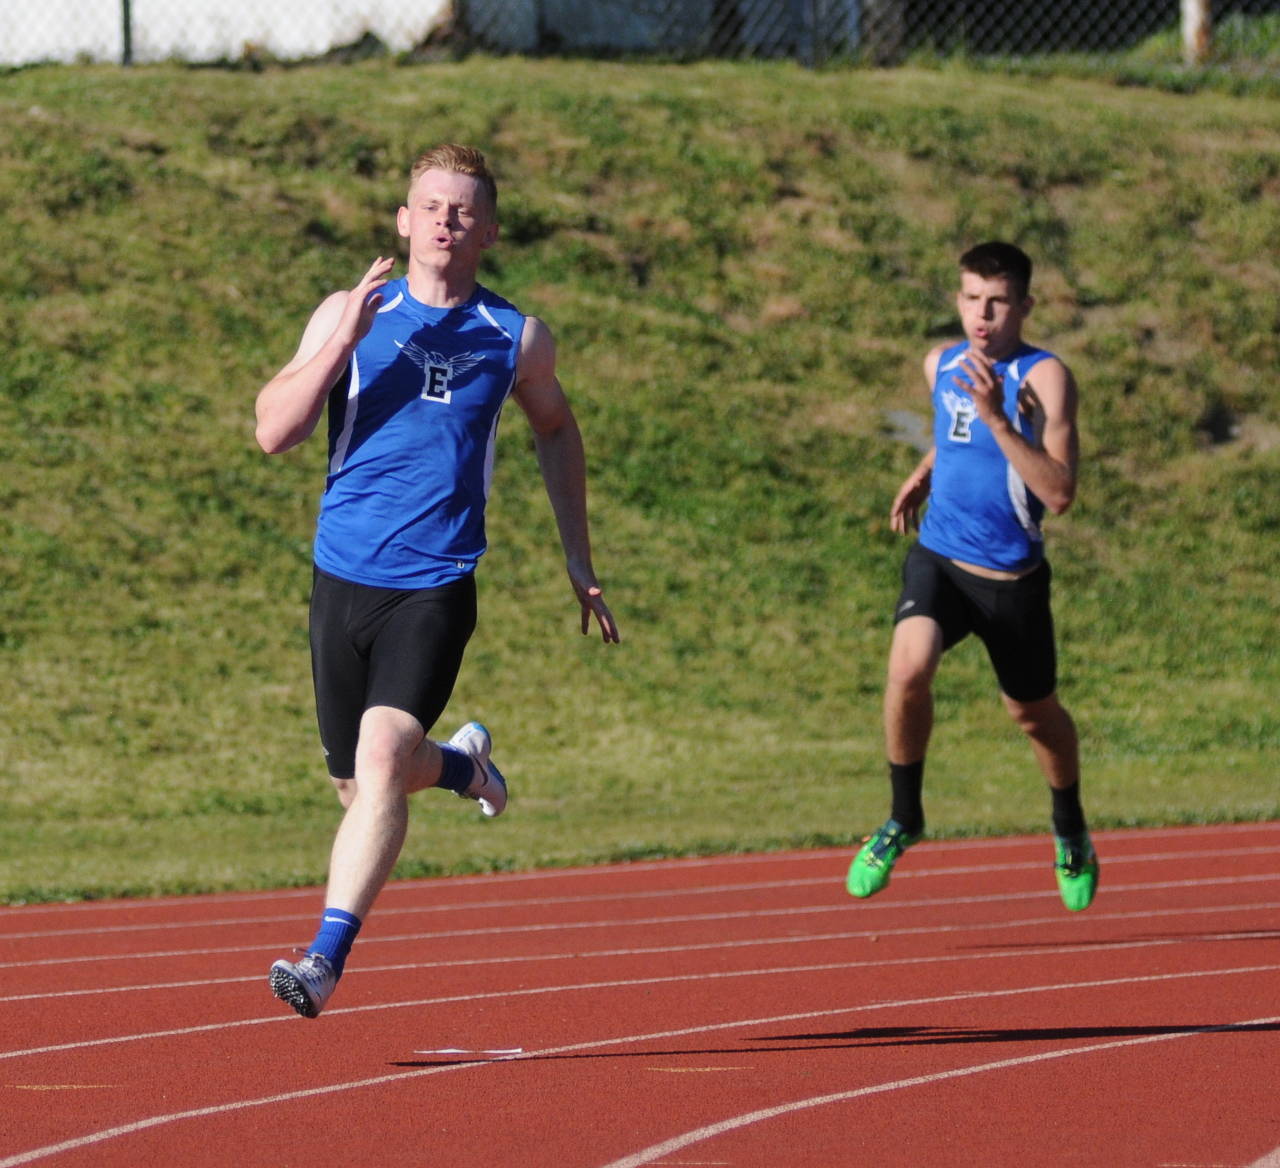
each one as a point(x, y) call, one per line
point(492, 447)
point(1018, 497)
point(483, 309)
point(353, 400)
point(349, 422)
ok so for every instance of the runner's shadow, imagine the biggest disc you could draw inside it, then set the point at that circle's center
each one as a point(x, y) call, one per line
point(865, 1037)
point(1216, 935)
point(961, 1036)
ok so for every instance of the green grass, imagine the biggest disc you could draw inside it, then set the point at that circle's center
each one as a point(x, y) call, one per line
point(744, 265)
point(1243, 59)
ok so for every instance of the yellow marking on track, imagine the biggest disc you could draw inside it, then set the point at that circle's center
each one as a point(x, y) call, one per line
point(694, 1071)
point(59, 1086)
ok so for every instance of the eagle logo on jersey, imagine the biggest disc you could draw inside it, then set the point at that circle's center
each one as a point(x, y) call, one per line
point(438, 370)
point(961, 408)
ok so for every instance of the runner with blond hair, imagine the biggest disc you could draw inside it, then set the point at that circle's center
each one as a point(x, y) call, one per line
point(414, 373)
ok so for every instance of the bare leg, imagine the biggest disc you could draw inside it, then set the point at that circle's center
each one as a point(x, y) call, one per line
point(908, 696)
point(1053, 738)
point(914, 654)
point(1057, 750)
point(394, 758)
point(422, 770)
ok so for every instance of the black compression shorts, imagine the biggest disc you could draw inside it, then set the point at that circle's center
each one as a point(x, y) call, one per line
point(383, 647)
point(1011, 617)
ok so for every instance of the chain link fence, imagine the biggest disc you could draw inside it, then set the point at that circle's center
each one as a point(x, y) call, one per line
point(881, 32)
point(816, 31)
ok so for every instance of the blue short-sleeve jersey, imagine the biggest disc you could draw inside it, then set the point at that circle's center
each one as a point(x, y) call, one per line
point(412, 427)
point(980, 511)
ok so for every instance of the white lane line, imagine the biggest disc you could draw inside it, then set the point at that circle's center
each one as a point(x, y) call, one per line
point(524, 904)
point(710, 1131)
point(616, 983)
point(845, 905)
point(598, 1044)
point(606, 871)
point(489, 879)
point(1216, 910)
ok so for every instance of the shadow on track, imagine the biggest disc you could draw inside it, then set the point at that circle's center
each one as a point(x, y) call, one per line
point(877, 1036)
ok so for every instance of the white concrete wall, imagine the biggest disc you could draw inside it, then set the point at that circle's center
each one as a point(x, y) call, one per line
point(206, 30)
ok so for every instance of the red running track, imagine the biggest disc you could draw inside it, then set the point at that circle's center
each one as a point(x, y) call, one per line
point(731, 1011)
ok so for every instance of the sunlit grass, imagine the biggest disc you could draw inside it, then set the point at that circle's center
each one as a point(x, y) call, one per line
point(743, 265)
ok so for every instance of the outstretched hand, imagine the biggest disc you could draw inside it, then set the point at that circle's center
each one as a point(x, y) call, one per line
point(591, 598)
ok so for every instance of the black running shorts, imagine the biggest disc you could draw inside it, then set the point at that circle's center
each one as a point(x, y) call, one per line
point(1011, 617)
point(383, 647)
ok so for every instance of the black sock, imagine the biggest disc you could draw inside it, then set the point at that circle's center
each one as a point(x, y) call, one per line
point(907, 779)
point(1068, 815)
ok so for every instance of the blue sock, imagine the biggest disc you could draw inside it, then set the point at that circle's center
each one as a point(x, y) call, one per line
point(457, 769)
point(337, 934)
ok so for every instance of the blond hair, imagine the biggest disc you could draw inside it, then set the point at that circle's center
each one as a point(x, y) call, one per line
point(457, 160)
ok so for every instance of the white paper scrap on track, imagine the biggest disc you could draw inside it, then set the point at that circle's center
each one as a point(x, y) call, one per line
point(458, 1050)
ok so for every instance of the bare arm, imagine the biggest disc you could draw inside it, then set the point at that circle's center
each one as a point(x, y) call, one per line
point(290, 404)
point(564, 467)
point(904, 514)
point(1048, 462)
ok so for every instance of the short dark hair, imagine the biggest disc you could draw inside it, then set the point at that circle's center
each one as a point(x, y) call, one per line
point(994, 259)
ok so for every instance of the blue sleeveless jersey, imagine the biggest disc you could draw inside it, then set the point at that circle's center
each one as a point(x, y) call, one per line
point(980, 511)
point(412, 428)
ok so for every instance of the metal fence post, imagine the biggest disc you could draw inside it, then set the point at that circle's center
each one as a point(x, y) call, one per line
point(802, 14)
point(126, 21)
point(1196, 32)
point(883, 25)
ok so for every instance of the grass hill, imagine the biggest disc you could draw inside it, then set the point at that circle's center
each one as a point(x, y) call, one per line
point(744, 265)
